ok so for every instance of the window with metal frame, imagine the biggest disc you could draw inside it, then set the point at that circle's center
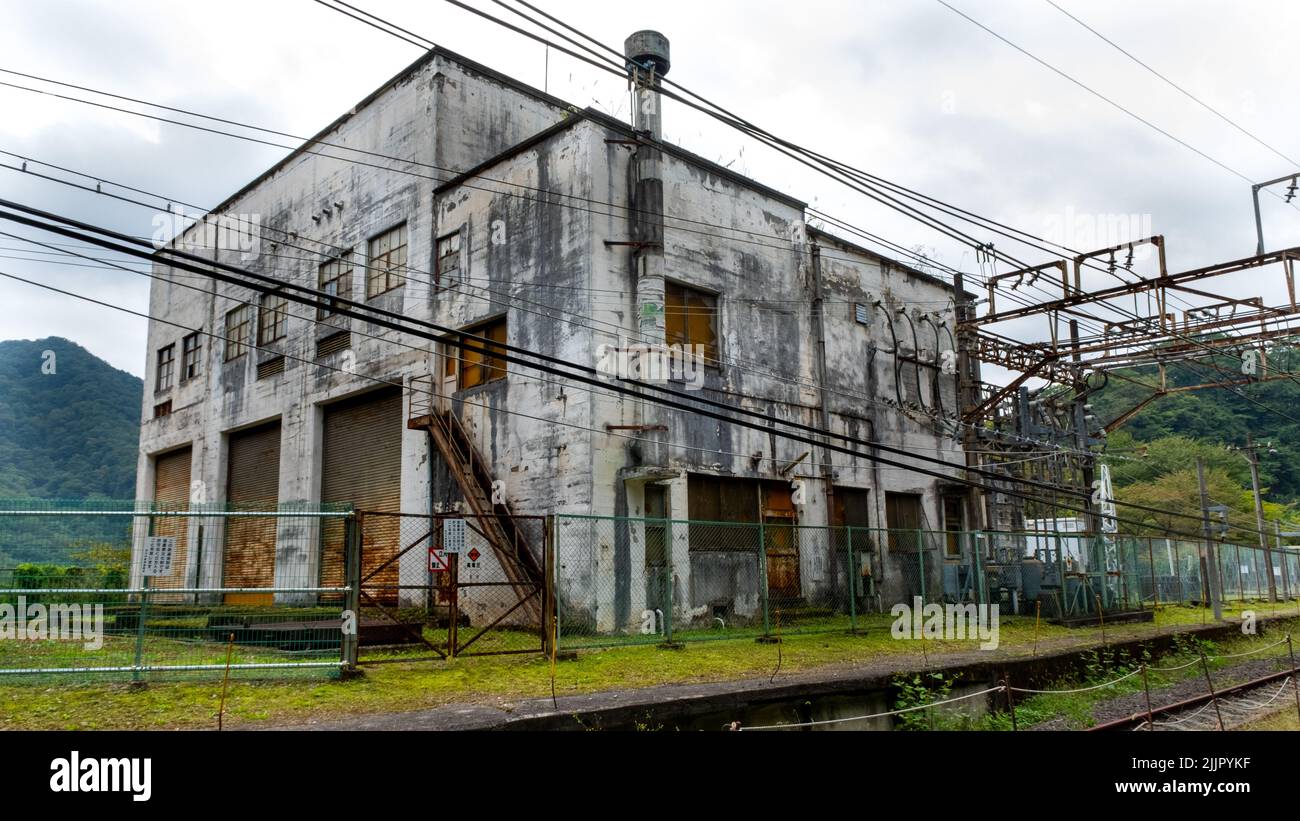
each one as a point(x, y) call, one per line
point(447, 270)
point(691, 319)
point(335, 280)
point(387, 258)
point(166, 367)
point(481, 364)
point(191, 357)
point(272, 319)
point(239, 324)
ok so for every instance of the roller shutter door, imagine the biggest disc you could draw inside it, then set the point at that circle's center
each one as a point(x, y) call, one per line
point(171, 491)
point(252, 483)
point(362, 466)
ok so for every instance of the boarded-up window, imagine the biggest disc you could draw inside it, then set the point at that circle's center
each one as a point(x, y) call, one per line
point(690, 319)
point(852, 511)
point(171, 492)
point(387, 261)
point(721, 499)
point(252, 483)
point(481, 363)
point(362, 465)
point(903, 518)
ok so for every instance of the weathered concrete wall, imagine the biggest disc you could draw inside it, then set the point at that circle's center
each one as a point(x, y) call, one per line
point(440, 118)
point(557, 266)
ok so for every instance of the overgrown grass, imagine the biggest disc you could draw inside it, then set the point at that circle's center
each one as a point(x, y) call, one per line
point(506, 680)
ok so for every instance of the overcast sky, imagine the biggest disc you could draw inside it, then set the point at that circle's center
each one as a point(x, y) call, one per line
point(904, 89)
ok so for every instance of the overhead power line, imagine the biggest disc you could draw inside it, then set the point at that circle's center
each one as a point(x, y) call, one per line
point(474, 343)
point(1171, 83)
point(1061, 73)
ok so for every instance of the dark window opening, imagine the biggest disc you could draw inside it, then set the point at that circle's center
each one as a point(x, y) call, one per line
point(166, 367)
point(191, 357)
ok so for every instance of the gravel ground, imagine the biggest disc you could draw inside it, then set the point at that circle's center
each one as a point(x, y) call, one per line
point(1132, 703)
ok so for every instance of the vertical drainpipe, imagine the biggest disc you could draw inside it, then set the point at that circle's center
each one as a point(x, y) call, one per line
point(828, 470)
point(819, 317)
point(647, 54)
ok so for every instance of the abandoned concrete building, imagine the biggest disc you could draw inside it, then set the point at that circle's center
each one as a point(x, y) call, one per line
point(564, 231)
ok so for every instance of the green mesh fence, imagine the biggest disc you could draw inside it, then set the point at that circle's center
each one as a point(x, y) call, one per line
point(262, 591)
point(626, 581)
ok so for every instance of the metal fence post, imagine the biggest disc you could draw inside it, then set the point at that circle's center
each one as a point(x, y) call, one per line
point(851, 579)
point(762, 576)
point(143, 615)
point(352, 538)
point(920, 561)
point(669, 585)
point(548, 584)
point(1155, 585)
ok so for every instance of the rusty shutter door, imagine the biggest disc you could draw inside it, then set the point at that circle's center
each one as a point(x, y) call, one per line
point(252, 483)
point(362, 466)
point(171, 491)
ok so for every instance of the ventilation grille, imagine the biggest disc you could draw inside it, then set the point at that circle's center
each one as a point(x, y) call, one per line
point(333, 343)
point(271, 367)
point(162, 409)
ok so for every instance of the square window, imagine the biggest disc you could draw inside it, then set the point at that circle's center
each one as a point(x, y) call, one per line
point(387, 262)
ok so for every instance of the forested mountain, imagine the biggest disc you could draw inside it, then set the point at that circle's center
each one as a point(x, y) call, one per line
point(69, 423)
point(1153, 456)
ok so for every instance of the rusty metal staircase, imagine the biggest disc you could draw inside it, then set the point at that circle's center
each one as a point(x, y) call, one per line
point(495, 522)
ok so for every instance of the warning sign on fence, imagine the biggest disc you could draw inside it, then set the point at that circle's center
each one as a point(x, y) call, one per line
point(159, 554)
point(438, 560)
point(453, 536)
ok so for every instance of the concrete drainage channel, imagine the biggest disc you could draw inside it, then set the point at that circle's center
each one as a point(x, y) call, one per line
point(756, 704)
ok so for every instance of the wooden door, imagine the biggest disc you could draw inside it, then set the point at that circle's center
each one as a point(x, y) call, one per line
point(781, 543)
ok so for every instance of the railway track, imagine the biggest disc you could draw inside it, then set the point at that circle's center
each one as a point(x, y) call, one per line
point(1224, 709)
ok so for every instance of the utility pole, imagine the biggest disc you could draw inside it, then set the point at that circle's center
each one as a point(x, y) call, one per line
point(1259, 222)
point(1211, 557)
point(1252, 455)
point(967, 400)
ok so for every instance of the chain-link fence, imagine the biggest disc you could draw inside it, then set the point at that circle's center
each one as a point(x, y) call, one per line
point(130, 591)
point(626, 580)
point(434, 586)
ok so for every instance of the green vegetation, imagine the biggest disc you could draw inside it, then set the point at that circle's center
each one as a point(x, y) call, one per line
point(1164, 440)
point(70, 434)
point(505, 680)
